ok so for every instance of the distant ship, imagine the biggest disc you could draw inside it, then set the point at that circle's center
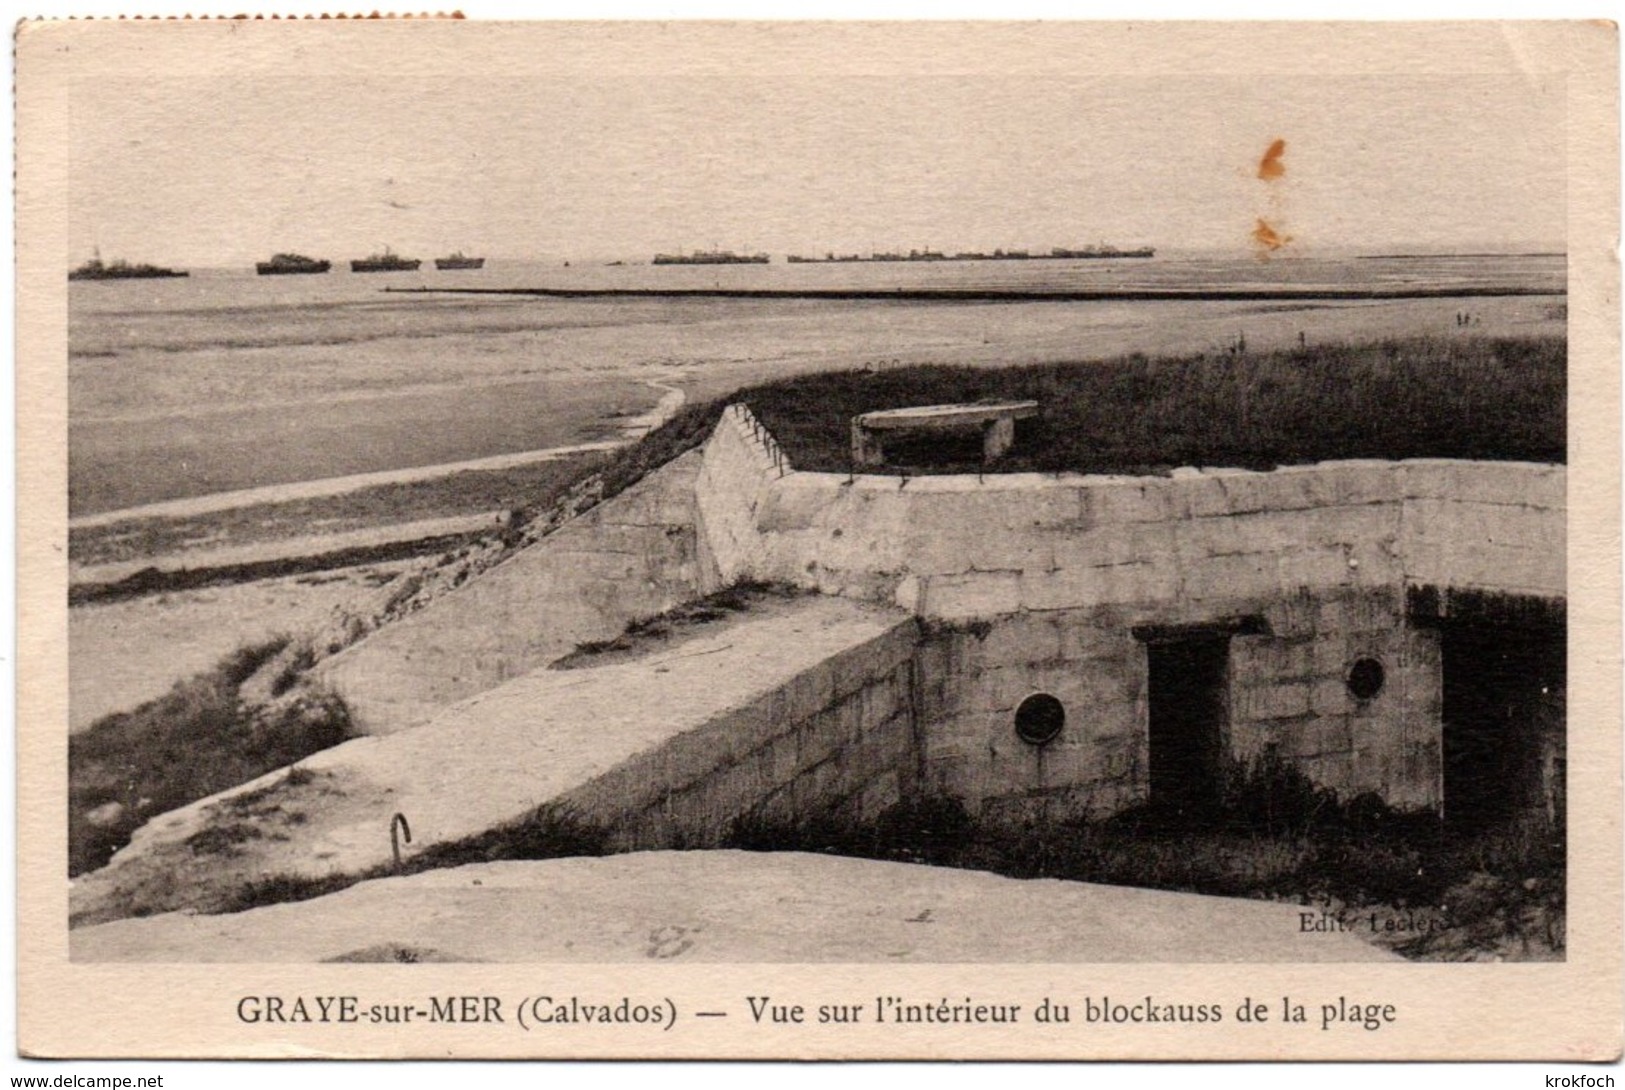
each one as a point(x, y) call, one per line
point(285, 264)
point(458, 261)
point(1102, 252)
point(711, 257)
point(912, 255)
point(996, 255)
point(385, 262)
point(97, 269)
point(976, 255)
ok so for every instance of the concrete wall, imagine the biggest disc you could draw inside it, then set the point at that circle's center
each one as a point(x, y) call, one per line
point(838, 739)
point(1287, 693)
point(632, 556)
point(1484, 525)
point(959, 547)
point(971, 679)
point(741, 465)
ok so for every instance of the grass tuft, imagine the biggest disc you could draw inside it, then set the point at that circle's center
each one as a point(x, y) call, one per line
point(650, 631)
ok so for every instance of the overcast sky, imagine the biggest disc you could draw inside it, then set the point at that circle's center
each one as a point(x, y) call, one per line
point(212, 145)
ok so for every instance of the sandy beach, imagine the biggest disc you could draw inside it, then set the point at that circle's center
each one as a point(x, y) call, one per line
point(151, 425)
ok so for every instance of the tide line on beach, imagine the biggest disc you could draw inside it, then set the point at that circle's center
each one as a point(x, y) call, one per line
point(671, 400)
point(190, 506)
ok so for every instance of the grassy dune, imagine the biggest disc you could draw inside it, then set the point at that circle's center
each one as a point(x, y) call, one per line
point(1428, 397)
point(1499, 399)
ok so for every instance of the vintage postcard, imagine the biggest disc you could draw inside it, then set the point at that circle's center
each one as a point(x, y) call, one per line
point(818, 540)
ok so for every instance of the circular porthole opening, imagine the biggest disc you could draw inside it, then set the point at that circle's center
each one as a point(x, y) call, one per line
point(1365, 678)
point(1039, 719)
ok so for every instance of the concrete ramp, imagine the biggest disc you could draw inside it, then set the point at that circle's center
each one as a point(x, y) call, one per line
point(730, 907)
point(630, 557)
point(797, 703)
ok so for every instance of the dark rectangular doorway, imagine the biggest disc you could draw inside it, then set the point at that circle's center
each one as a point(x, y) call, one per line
point(1187, 685)
point(1503, 713)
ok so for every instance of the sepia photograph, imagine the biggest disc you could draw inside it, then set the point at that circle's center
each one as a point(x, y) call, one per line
point(694, 504)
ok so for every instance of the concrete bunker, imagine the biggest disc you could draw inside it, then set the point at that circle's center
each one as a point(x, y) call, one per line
point(1370, 624)
point(1028, 646)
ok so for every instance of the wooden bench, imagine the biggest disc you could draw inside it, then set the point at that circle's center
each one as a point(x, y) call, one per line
point(997, 419)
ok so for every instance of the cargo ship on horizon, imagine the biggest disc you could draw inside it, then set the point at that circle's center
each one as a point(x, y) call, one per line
point(1056, 254)
point(887, 255)
point(458, 261)
point(387, 261)
point(711, 257)
point(291, 264)
point(1093, 252)
point(97, 269)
